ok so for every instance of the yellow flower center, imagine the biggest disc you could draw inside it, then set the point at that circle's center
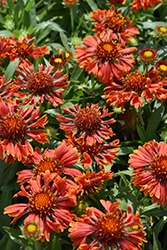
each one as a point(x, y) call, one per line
point(67, 55)
point(159, 167)
point(163, 29)
point(88, 120)
point(163, 67)
point(48, 163)
point(40, 83)
point(109, 229)
point(107, 51)
point(32, 228)
point(13, 128)
point(148, 53)
point(58, 60)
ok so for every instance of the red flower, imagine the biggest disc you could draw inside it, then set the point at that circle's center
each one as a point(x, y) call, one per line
point(7, 89)
point(134, 86)
point(15, 127)
point(70, 2)
point(122, 28)
point(41, 84)
point(114, 230)
point(161, 66)
point(48, 204)
point(150, 163)
point(148, 55)
point(58, 61)
point(88, 122)
point(104, 57)
point(22, 48)
point(91, 182)
point(139, 4)
point(102, 153)
point(56, 161)
point(5, 47)
point(117, 1)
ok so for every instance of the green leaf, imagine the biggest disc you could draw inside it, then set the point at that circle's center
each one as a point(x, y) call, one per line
point(29, 5)
point(5, 33)
point(156, 243)
point(11, 4)
point(2, 19)
point(92, 4)
point(159, 226)
point(6, 200)
point(43, 25)
point(126, 150)
point(11, 68)
point(154, 210)
point(64, 40)
point(56, 244)
point(141, 133)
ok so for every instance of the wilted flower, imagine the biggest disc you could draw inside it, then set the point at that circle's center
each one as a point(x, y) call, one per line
point(139, 4)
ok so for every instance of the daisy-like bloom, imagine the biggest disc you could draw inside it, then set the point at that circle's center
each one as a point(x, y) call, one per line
point(122, 28)
point(41, 84)
point(88, 122)
point(102, 153)
point(48, 204)
point(104, 57)
point(91, 182)
point(56, 161)
point(134, 86)
point(111, 230)
point(5, 48)
point(117, 2)
point(150, 169)
point(31, 229)
point(23, 48)
point(161, 30)
point(161, 66)
point(148, 55)
point(58, 61)
point(70, 2)
point(139, 4)
point(15, 125)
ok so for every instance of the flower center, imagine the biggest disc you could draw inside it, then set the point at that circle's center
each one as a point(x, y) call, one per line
point(13, 128)
point(31, 229)
point(49, 163)
point(40, 83)
point(163, 29)
point(88, 120)
point(148, 54)
point(58, 60)
point(134, 82)
point(163, 67)
point(109, 229)
point(107, 51)
point(23, 49)
point(159, 167)
point(115, 22)
point(42, 202)
point(91, 149)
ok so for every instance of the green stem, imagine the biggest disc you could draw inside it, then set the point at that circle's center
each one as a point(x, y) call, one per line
point(72, 19)
point(157, 43)
point(141, 119)
point(148, 41)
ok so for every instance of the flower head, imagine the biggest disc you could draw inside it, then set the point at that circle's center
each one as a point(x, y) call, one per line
point(148, 55)
point(122, 28)
point(56, 161)
point(150, 169)
point(70, 2)
point(117, 2)
point(113, 229)
point(31, 229)
point(161, 66)
point(41, 84)
point(15, 125)
point(104, 57)
point(5, 47)
point(48, 204)
point(58, 61)
point(134, 86)
point(88, 122)
point(139, 4)
point(161, 30)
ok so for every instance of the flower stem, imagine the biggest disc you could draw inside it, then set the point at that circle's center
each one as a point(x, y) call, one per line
point(72, 19)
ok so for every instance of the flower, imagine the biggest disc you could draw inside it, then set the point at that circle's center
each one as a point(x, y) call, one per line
point(102, 153)
point(161, 30)
point(161, 66)
point(148, 55)
point(88, 122)
point(113, 229)
point(104, 57)
point(70, 2)
point(150, 164)
point(117, 1)
point(56, 161)
point(5, 47)
point(31, 229)
point(7, 89)
point(15, 125)
point(122, 28)
point(91, 182)
point(41, 84)
point(48, 204)
point(58, 60)
point(139, 4)
point(134, 86)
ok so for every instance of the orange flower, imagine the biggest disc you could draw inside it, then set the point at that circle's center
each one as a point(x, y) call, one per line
point(122, 28)
point(117, 1)
point(161, 66)
point(70, 2)
point(88, 122)
point(15, 127)
point(48, 204)
point(111, 230)
point(150, 164)
point(104, 57)
point(7, 89)
point(22, 48)
point(139, 4)
point(134, 86)
point(91, 182)
point(102, 153)
point(5, 47)
point(41, 84)
point(161, 31)
point(56, 161)
point(148, 55)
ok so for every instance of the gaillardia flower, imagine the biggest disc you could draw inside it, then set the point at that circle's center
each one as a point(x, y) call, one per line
point(102, 153)
point(48, 204)
point(134, 86)
point(31, 229)
point(104, 57)
point(161, 30)
point(5, 47)
point(88, 122)
point(139, 4)
point(150, 169)
point(41, 84)
point(148, 55)
point(117, 2)
point(161, 66)
point(58, 61)
point(122, 28)
point(111, 230)
point(56, 161)
point(15, 125)
point(70, 2)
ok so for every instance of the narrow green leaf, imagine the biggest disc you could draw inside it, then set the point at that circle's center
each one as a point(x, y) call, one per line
point(2, 19)
point(159, 226)
point(11, 5)
point(92, 4)
point(29, 5)
point(56, 244)
point(156, 243)
point(141, 134)
point(11, 68)
point(64, 40)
